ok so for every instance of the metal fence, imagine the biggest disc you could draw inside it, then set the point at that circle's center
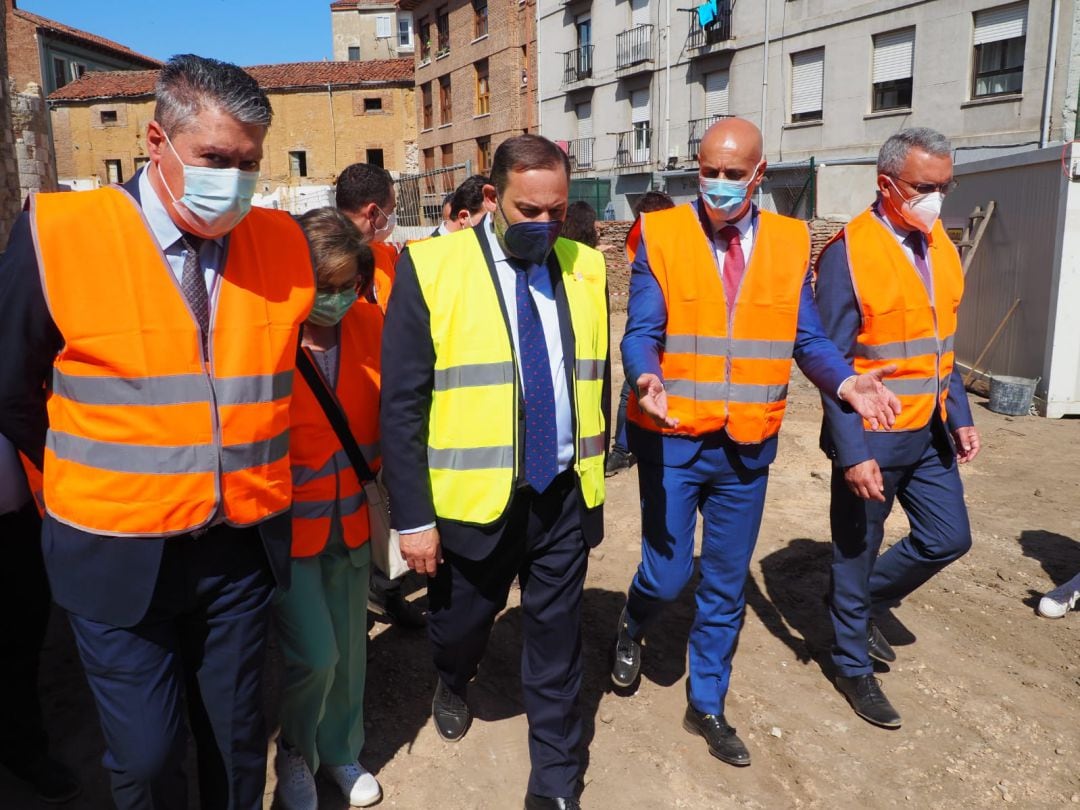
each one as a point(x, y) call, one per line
point(791, 190)
point(420, 198)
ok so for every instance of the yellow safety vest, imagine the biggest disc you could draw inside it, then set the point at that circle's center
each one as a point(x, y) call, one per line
point(473, 443)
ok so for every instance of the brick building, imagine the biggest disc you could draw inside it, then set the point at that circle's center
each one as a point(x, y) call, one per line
point(475, 77)
point(9, 175)
point(370, 29)
point(327, 115)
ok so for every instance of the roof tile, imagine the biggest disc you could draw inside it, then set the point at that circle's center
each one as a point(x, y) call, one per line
point(93, 39)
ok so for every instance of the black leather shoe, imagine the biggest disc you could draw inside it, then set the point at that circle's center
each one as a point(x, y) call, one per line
point(724, 743)
point(869, 702)
point(878, 647)
point(617, 461)
point(627, 663)
point(450, 712)
point(534, 802)
point(53, 781)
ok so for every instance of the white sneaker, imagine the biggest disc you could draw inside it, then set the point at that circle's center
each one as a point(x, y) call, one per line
point(359, 786)
point(295, 784)
point(1061, 600)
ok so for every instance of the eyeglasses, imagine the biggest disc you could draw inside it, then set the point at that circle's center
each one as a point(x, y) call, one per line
point(930, 188)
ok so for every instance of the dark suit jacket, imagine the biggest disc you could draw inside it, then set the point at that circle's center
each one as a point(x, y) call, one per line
point(106, 579)
point(408, 356)
point(643, 343)
point(842, 436)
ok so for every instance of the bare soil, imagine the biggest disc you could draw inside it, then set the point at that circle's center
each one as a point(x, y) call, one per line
point(987, 689)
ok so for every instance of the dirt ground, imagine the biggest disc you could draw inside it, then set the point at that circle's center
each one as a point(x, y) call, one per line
point(987, 689)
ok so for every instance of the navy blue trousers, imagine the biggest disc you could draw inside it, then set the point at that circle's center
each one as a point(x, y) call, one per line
point(544, 547)
point(730, 499)
point(200, 647)
point(620, 419)
point(932, 496)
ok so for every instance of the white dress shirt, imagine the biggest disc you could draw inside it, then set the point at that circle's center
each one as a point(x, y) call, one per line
point(747, 226)
point(901, 236)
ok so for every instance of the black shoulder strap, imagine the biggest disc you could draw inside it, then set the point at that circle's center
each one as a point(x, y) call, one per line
point(332, 408)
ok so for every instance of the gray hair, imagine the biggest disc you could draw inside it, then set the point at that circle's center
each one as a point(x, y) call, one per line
point(188, 84)
point(895, 150)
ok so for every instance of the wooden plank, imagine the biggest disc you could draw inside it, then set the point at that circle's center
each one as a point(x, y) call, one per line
point(990, 343)
point(969, 254)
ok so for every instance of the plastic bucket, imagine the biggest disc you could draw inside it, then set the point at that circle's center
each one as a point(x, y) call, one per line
point(1011, 395)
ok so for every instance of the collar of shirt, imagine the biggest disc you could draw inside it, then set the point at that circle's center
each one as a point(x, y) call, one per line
point(442, 229)
point(746, 225)
point(497, 253)
point(900, 233)
point(161, 225)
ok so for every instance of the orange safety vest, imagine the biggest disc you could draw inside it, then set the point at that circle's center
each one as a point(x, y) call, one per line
point(900, 322)
point(148, 435)
point(386, 256)
point(33, 480)
point(725, 371)
point(322, 476)
point(633, 240)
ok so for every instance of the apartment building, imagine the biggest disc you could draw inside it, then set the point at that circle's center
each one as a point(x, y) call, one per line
point(370, 29)
point(641, 81)
point(475, 69)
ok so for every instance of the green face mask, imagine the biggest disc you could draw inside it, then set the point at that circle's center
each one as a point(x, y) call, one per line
point(330, 307)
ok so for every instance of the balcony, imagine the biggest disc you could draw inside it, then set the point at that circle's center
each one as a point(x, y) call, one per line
point(697, 132)
point(633, 50)
point(715, 37)
point(633, 148)
point(577, 65)
point(580, 152)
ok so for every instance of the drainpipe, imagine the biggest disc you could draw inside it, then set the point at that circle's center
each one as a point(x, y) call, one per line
point(1048, 90)
point(667, 71)
point(764, 77)
point(539, 74)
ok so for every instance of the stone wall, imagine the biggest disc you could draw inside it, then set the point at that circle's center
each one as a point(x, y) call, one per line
point(821, 231)
point(33, 142)
point(9, 171)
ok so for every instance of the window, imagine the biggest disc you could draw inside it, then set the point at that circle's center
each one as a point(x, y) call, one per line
point(583, 25)
point(354, 53)
point(60, 72)
point(807, 84)
point(108, 117)
point(425, 97)
point(582, 152)
point(425, 39)
point(639, 13)
point(1000, 36)
point(483, 95)
point(113, 172)
point(639, 118)
point(446, 102)
point(297, 164)
point(442, 27)
point(894, 54)
point(140, 162)
point(429, 169)
point(404, 33)
point(372, 105)
point(375, 157)
point(483, 155)
point(382, 26)
point(480, 18)
point(716, 94)
point(447, 162)
point(77, 71)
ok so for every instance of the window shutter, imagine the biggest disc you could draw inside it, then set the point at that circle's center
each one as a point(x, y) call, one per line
point(716, 93)
point(639, 13)
point(382, 26)
point(1003, 22)
point(893, 55)
point(639, 106)
point(584, 120)
point(807, 80)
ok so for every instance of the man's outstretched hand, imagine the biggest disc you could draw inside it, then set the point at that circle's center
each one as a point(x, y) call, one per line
point(652, 399)
point(869, 398)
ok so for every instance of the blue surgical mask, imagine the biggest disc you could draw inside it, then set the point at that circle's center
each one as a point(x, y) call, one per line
point(214, 200)
point(725, 197)
point(330, 307)
point(530, 241)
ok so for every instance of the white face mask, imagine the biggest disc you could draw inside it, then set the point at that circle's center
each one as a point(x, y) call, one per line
point(214, 200)
point(922, 210)
point(383, 233)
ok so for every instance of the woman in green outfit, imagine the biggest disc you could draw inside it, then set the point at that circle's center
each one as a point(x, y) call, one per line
point(322, 618)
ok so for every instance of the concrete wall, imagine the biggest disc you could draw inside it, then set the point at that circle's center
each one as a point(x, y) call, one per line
point(330, 127)
point(844, 190)
point(357, 28)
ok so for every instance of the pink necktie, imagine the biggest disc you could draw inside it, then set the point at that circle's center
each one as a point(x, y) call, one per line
point(734, 263)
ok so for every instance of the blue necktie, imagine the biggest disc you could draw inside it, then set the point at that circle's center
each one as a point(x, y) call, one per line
point(541, 433)
point(918, 250)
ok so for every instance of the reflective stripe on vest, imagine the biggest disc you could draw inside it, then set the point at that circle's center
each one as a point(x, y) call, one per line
point(473, 421)
point(901, 324)
point(149, 436)
point(725, 370)
point(322, 474)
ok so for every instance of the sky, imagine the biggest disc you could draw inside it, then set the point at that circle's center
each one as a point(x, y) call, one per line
point(245, 32)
